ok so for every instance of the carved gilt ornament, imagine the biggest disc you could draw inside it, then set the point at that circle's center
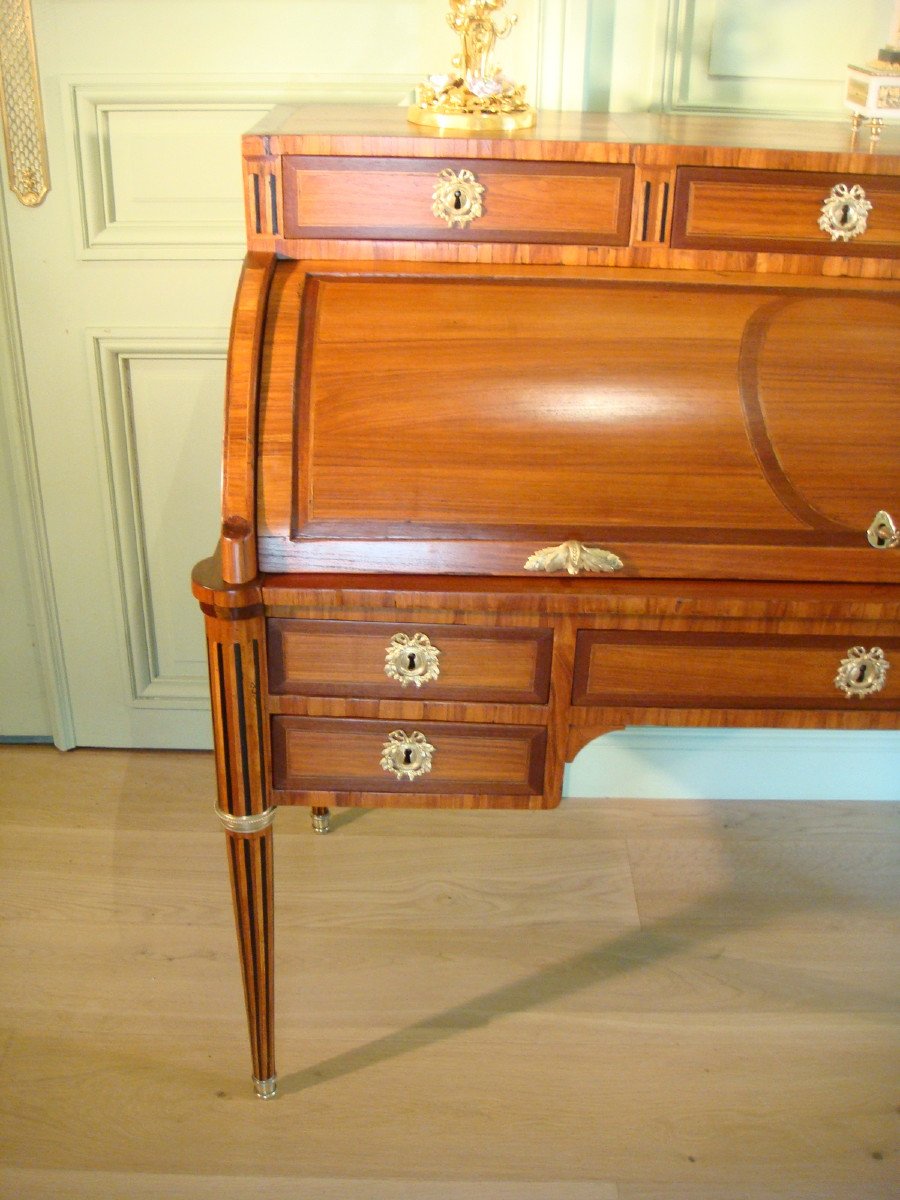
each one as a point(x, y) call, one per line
point(573, 557)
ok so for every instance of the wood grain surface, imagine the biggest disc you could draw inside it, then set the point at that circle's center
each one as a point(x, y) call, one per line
point(652, 146)
point(471, 762)
point(725, 209)
point(644, 344)
point(681, 1000)
point(375, 198)
point(690, 429)
point(339, 658)
point(728, 670)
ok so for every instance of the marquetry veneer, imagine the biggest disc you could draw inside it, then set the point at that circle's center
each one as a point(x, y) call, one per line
point(645, 356)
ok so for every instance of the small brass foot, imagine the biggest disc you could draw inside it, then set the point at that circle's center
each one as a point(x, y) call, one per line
point(266, 1088)
point(321, 820)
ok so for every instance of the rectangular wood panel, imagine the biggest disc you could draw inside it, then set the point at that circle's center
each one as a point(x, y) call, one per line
point(717, 208)
point(735, 671)
point(575, 203)
point(524, 404)
point(347, 658)
point(323, 754)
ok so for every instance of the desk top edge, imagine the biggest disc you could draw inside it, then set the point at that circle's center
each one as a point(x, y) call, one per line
point(343, 125)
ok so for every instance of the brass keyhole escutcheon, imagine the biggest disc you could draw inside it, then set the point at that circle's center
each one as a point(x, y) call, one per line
point(863, 672)
point(883, 533)
point(845, 213)
point(407, 755)
point(457, 197)
point(411, 659)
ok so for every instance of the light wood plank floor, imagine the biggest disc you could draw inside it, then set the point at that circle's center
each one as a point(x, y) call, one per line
point(612, 1001)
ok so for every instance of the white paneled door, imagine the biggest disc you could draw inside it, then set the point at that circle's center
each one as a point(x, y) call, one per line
point(121, 283)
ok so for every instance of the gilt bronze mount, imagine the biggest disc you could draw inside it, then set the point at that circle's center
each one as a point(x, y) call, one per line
point(474, 95)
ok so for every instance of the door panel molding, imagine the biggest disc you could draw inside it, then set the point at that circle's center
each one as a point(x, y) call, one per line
point(131, 208)
point(562, 47)
point(150, 594)
point(15, 410)
point(769, 58)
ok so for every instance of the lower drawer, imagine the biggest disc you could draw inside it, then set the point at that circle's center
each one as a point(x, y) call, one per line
point(318, 754)
point(706, 670)
point(348, 658)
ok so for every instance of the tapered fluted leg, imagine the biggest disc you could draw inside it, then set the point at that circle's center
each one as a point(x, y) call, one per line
point(250, 866)
point(237, 671)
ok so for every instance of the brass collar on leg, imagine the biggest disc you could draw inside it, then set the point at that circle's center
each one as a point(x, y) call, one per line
point(254, 823)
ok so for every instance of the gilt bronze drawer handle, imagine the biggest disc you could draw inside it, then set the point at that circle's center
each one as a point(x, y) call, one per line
point(457, 197)
point(407, 754)
point(845, 212)
point(863, 672)
point(573, 557)
point(883, 533)
point(411, 659)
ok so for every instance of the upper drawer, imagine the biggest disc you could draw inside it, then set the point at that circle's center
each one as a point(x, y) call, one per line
point(375, 198)
point(718, 208)
point(434, 662)
point(738, 670)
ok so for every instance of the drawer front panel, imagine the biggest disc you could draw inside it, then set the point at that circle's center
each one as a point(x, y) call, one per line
point(716, 670)
point(348, 658)
point(568, 203)
point(717, 208)
point(321, 754)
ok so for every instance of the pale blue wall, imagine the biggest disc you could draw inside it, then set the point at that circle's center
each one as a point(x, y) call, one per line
point(738, 764)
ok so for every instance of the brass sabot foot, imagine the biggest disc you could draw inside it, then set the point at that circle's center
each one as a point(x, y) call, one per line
point(321, 821)
point(266, 1088)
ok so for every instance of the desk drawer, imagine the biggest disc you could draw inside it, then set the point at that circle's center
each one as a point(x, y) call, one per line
point(317, 754)
point(719, 208)
point(713, 670)
point(402, 660)
point(375, 198)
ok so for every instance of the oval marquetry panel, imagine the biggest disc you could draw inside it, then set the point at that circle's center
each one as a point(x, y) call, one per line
point(822, 381)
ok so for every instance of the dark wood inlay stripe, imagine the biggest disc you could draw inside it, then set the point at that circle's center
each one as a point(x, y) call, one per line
point(273, 201)
point(267, 950)
point(257, 675)
point(646, 221)
point(242, 726)
point(223, 720)
point(254, 948)
point(665, 212)
point(257, 211)
point(752, 344)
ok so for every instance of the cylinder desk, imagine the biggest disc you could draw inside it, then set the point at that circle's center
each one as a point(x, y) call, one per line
point(538, 435)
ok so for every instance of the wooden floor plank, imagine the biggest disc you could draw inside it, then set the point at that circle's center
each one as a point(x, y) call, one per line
point(637, 1001)
point(108, 1185)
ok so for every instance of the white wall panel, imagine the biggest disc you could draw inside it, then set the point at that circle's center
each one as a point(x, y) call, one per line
point(775, 56)
point(161, 409)
point(158, 165)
